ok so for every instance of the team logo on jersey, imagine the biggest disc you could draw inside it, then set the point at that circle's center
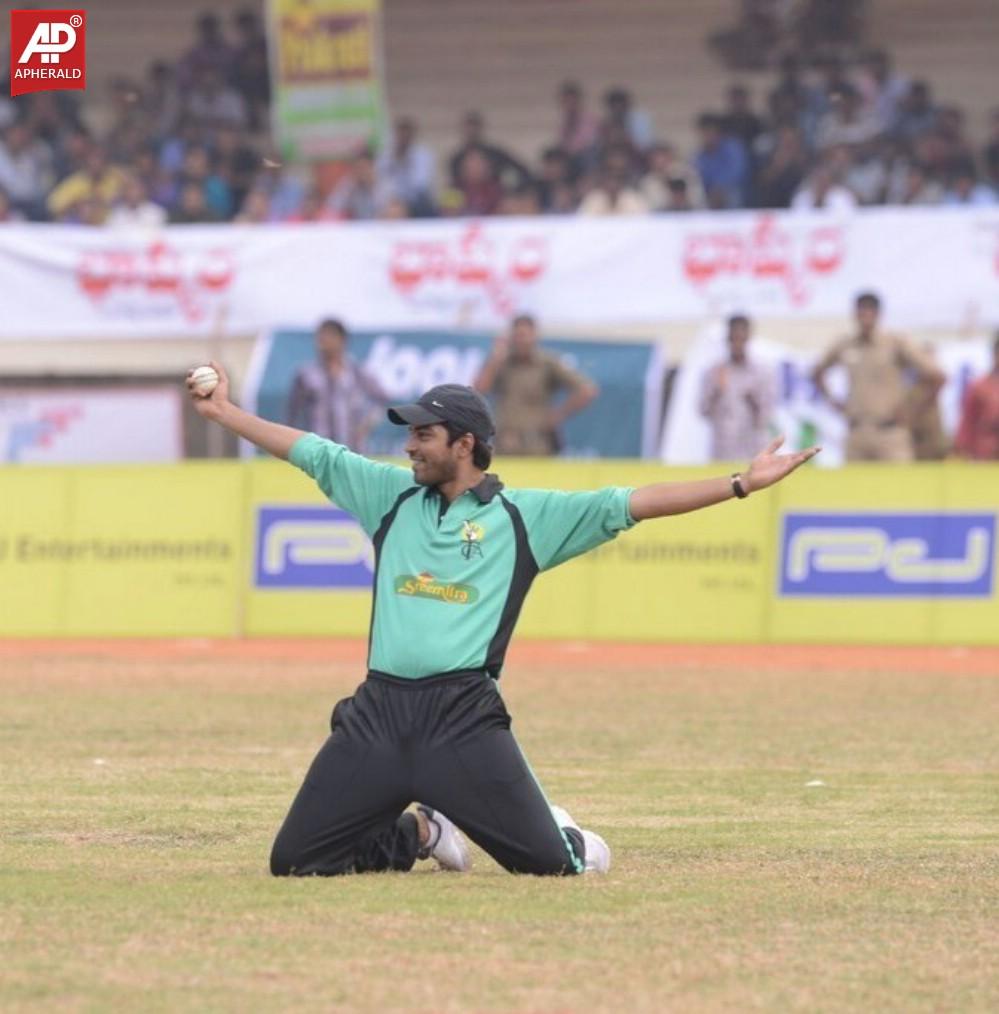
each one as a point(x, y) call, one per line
point(426, 586)
point(471, 539)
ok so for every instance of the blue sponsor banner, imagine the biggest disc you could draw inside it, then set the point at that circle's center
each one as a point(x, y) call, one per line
point(623, 422)
point(311, 547)
point(897, 555)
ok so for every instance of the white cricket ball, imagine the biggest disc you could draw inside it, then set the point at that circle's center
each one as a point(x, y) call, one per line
point(205, 380)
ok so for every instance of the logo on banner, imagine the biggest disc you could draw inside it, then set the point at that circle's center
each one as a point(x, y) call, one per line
point(28, 430)
point(157, 281)
point(311, 547)
point(480, 270)
point(888, 555)
point(788, 258)
point(47, 51)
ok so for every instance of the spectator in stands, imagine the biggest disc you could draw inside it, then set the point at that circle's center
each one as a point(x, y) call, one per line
point(722, 163)
point(250, 72)
point(334, 395)
point(133, 209)
point(620, 113)
point(209, 52)
point(159, 101)
point(159, 185)
point(782, 170)
point(990, 156)
point(978, 431)
point(192, 207)
point(579, 129)
point(556, 188)
point(950, 128)
point(527, 382)
point(480, 191)
point(867, 169)
point(916, 112)
point(823, 188)
point(199, 171)
point(738, 397)
point(881, 89)
point(25, 170)
point(793, 100)
point(912, 185)
point(313, 209)
point(189, 134)
point(97, 181)
point(8, 213)
point(255, 209)
point(212, 102)
point(508, 171)
point(738, 118)
point(236, 162)
point(523, 201)
point(880, 369)
point(614, 193)
point(407, 166)
point(846, 121)
point(659, 186)
point(359, 194)
point(965, 188)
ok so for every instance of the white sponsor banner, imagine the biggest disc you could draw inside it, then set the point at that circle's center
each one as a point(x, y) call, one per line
point(800, 415)
point(90, 425)
point(933, 267)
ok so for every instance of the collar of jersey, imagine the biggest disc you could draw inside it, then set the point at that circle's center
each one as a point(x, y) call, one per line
point(487, 488)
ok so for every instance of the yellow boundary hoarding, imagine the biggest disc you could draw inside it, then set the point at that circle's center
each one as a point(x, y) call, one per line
point(867, 554)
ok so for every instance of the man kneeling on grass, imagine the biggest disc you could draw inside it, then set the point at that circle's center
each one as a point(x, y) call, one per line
point(455, 554)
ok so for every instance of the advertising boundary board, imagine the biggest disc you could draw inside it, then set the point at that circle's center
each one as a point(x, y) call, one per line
point(252, 548)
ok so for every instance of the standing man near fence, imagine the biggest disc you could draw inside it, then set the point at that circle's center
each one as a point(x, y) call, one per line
point(455, 554)
point(526, 382)
point(738, 397)
point(881, 369)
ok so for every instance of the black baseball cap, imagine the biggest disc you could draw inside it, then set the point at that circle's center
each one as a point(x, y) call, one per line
point(448, 403)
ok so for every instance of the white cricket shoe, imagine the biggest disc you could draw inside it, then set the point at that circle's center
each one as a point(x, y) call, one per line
point(598, 854)
point(446, 843)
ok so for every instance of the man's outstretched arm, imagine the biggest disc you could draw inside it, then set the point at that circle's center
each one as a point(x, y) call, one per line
point(271, 437)
point(662, 499)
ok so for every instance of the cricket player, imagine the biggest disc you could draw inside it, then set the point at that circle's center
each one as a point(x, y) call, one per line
point(455, 554)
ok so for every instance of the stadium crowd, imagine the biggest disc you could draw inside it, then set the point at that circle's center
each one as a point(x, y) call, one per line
point(190, 144)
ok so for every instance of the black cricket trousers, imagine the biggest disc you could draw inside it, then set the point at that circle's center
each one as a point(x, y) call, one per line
point(444, 741)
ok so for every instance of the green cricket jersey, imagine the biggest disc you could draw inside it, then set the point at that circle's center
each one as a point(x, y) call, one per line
point(450, 580)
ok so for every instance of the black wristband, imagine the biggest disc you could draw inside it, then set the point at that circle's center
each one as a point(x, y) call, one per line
point(737, 486)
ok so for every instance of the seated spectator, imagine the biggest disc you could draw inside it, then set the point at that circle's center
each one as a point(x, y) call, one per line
point(524, 202)
point(510, 172)
point(738, 118)
point(159, 101)
point(199, 170)
point(978, 431)
point(748, 44)
point(192, 206)
point(782, 169)
point(881, 90)
point(209, 52)
point(579, 129)
point(312, 209)
point(159, 185)
point(189, 134)
point(990, 156)
point(97, 179)
point(658, 185)
point(556, 181)
point(25, 170)
point(236, 162)
point(867, 170)
point(395, 210)
point(255, 209)
point(823, 190)
point(913, 185)
point(620, 112)
point(8, 213)
point(722, 163)
point(614, 193)
point(965, 188)
point(133, 209)
point(793, 101)
point(360, 195)
point(916, 112)
point(250, 72)
point(480, 190)
point(950, 129)
point(213, 103)
point(846, 122)
point(407, 166)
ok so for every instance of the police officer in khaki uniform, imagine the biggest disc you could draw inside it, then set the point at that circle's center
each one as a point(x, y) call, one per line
point(881, 370)
point(526, 381)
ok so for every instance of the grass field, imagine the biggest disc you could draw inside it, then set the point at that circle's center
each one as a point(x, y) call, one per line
point(793, 829)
